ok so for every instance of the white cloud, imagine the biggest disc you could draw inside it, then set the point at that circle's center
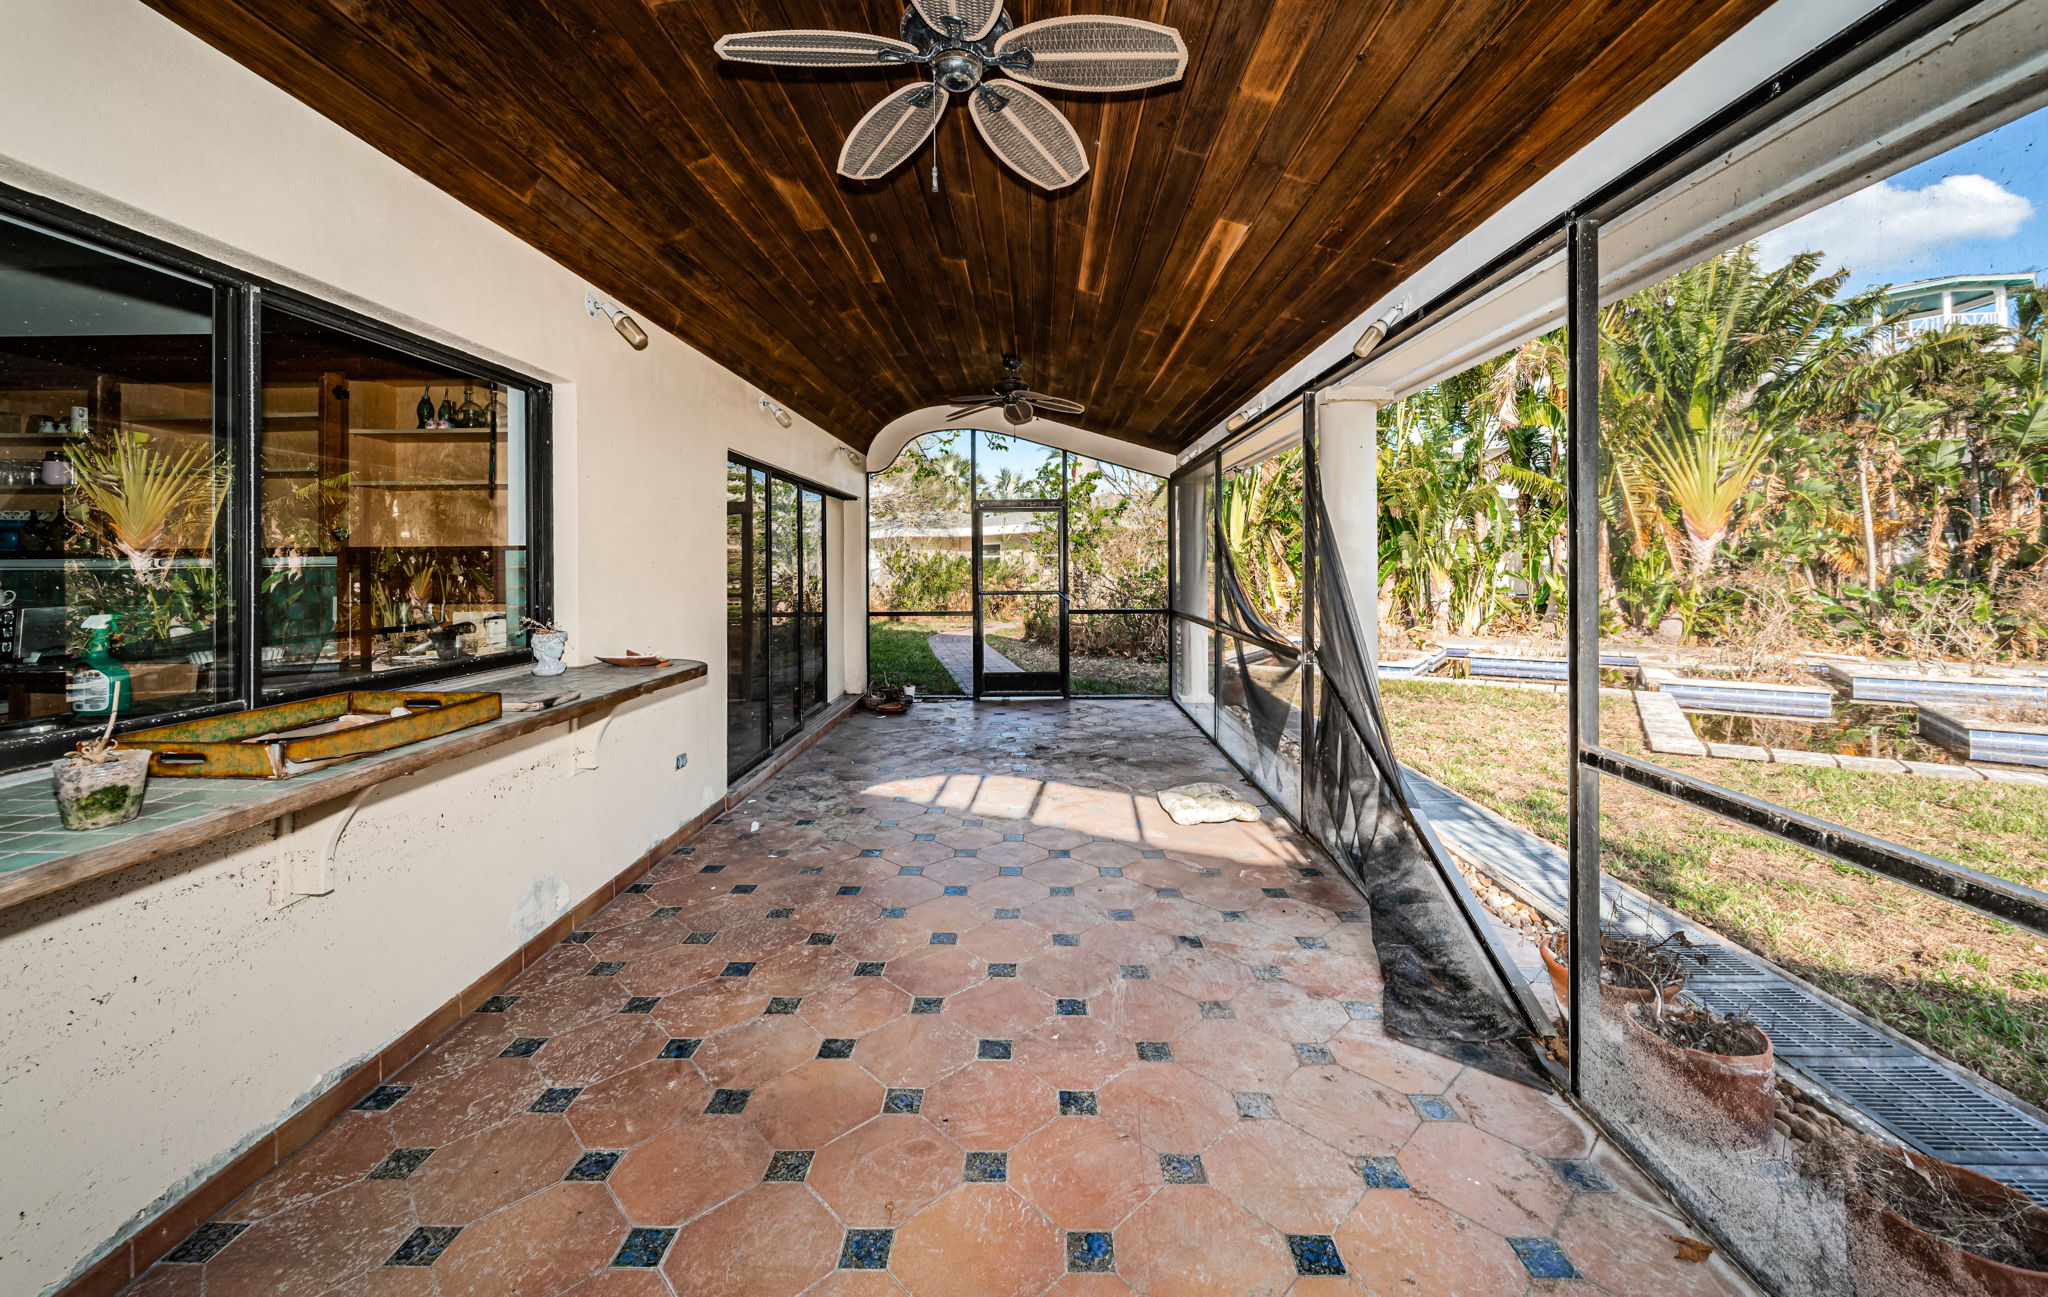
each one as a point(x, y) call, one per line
point(1885, 225)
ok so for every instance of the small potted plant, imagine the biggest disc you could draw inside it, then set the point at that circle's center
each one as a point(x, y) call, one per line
point(888, 698)
point(1921, 1227)
point(548, 646)
point(1697, 1065)
point(100, 784)
point(1631, 968)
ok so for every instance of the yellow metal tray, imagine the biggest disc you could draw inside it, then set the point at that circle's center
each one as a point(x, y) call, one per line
point(292, 738)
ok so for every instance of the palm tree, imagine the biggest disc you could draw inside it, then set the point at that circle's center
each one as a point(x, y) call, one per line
point(1704, 372)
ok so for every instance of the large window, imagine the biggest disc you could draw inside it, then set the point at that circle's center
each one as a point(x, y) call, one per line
point(775, 560)
point(215, 492)
point(114, 478)
point(393, 509)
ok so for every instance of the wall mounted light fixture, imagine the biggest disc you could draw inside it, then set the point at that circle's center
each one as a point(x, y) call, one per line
point(1376, 332)
point(628, 327)
point(782, 416)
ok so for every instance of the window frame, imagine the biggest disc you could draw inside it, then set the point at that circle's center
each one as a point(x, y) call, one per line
point(801, 617)
point(238, 301)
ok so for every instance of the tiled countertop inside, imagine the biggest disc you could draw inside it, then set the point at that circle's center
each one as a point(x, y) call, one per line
point(38, 855)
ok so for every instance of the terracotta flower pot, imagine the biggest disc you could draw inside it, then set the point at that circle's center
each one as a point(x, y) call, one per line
point(1560, 984)
point(1734, 1090)
point(1890, 1254)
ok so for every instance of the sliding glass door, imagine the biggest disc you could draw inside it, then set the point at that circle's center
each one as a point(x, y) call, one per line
point(775, 610)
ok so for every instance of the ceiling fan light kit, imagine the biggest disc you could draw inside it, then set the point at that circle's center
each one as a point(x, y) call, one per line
point(965, 43)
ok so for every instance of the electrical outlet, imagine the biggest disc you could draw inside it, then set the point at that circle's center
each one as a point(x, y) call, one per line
point(682, 759)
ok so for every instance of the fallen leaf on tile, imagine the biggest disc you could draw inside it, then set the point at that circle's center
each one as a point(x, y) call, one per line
point(1691, 1249)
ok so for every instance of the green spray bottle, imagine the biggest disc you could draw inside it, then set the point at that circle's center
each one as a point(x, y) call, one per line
point(99, 684)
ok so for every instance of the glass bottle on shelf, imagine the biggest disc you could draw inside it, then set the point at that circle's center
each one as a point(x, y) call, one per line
point(425, 409)
point(447, 416)
point(470, 415)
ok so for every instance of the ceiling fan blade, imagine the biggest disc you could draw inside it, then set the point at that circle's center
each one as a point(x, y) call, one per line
point(1029, 134)
point(815, 49)
point(892, 130)
point(1057, 404)
point(1097, 52)
point(976, 408)
point(975, 17)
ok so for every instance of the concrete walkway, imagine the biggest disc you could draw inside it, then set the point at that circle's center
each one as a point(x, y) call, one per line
point(1925, 1102)
point(955, 652)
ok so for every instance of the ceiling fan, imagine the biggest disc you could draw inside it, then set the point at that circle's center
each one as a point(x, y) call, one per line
point(965, 43)
point(1020, 404)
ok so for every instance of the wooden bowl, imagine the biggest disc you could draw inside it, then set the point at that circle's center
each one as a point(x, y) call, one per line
point(635, 660)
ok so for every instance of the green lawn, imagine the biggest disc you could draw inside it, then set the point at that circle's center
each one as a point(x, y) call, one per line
point(1970, 987)
point(900, 652)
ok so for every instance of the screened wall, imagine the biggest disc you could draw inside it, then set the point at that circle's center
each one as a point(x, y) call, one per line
point(993, 559)
point(1705, 577)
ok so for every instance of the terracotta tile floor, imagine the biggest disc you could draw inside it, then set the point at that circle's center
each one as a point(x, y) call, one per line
point(951, 1008)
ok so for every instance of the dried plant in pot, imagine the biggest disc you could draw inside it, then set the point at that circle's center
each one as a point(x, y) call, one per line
point(1707, 1071)
point(1921, 1227)
point(100, 784)
point(887, 698)
point(1632, 969)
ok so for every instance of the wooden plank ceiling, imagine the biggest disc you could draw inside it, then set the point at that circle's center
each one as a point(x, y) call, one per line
point(1317, 151)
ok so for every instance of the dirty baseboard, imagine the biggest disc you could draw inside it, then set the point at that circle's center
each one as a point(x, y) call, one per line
point(147, 1245)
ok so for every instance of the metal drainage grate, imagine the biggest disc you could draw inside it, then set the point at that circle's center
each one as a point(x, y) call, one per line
point(2028, 1180)
point(1722, 961)
point(1932, 1110)
point(1798, 1024)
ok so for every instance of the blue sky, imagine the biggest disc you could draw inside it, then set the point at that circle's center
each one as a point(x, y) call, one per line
point(1981, 207)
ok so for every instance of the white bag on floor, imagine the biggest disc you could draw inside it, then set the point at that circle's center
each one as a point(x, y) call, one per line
point(1205, 804)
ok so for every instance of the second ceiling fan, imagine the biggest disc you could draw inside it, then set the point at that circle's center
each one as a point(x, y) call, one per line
point(965, 43)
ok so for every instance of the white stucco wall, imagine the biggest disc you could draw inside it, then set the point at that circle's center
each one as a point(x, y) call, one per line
point(158, 1021)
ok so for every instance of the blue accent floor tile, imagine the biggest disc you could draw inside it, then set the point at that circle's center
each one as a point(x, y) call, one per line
point(381, 1098)
point(1121, 916)
point(987, 1168)
point(1010, 871)
point(204, 1243)
point(912, 870)
point(399, 1164)
point(1182, 1168)
point(1275, 893)
point(1167, 893)
point(1314, 1055)
point(1002, 970)
point(641, 1004)
point(1216, 1009)
point(945, 938)
point(1311, 943)
point(956, 889)
point(1433, 1108)
point(738, 968)
point(681, 1047)
point(1059, 855)
point(1543, 1258)
point(835, 1047)
point(1079, 1103)
point(594, 1166)
point(639, 888)
point(778, 1005)
point(497, 1004)
point(1267, 973)
point(907, 1102)
point(1059, 891)
point(524, 1047)
point(712, 869)
point(866, 1249)
point(644, 1247)
point(1006, 912)
point(1254, 1106)
point(1071, 1008)
point(728, 1103)
point(1154, 1051)
point(928, 1004)
point(746, 889)
point(1236, 916)
point(577, 938)
point(424, 1245)
point(1315, 1254)
point(789, 1166)
point(1090, 1251)
point(849, 891)
point(1065, 939)
point(869, 968)
point(1135, 972)
point(667, 912)
point(1581, 1175)
point(993, 1049)
point(966, 853)
point(699, 938)
point(1351, 916)
point(1381, 1173)
point(555, 1099)
point(1108, 871)
point(609, 968)
point(782, 912)
point(894, 912)
point(1186, 942)
point(821, 939)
